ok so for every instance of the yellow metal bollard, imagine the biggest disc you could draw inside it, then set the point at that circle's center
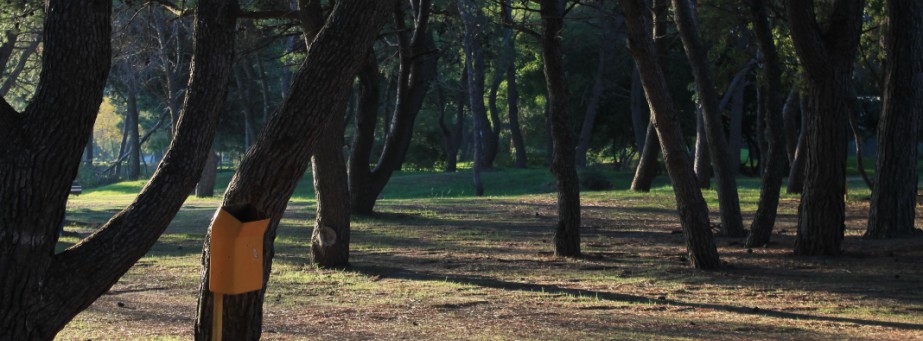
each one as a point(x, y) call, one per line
point(236, 256)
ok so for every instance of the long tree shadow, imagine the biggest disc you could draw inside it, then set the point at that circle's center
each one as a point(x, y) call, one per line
point(489, 282)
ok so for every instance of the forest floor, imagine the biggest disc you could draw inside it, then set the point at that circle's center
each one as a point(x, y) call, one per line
point(442, 266)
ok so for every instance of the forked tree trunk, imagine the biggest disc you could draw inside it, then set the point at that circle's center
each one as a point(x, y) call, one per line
point(827, 54)
point(691, 206)
point(269, 173)
point(416, 71)
point(41, 291)
point(726, 183)
point(563, 165)
point(894, 195)
point(771, 182)
point(647, 163)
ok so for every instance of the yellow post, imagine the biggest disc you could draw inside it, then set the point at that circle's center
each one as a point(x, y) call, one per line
point(217, 316)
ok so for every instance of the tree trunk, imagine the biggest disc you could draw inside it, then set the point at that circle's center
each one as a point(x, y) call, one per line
point(19, 68)
point(638, 104)
point(771, 182)
point(563, 165)
point(6, 48)
point(726, 183)
point(512, 91)
point(451, 137)
point(474, 65)
point(88, 151)
point(791, 113)
point(360, 175)
point(893, 200)
point(827, 56)
point(691, 206)
point(596, 94)
point(647, 163)
point(41, 291)
point(796, 172)
point(702, 162)
point(269, 173)
point(131, 129)
point(330, 240)
point(417, 70)
point(735, 138)
point(205, 188)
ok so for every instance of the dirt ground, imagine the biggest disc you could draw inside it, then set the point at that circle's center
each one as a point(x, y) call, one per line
point(482, 269)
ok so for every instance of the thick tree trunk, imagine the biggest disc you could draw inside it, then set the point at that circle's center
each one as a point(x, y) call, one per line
point(726, 183)
point(894, 195)
point(267, 176)
point(41, 291)
point(691, 206)
point(771, 182)
point(563, 165)
point(330, 240)
point(827, 56)
point(205, 188)
point(417, 70)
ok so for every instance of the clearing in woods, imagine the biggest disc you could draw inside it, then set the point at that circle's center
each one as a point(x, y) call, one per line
point(436, 263)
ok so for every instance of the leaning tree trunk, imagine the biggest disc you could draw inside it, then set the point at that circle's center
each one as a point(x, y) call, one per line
point(269, 173)
point(690, 205)
point(726, 182)
point(647, 163)
point(791, 115)
point(771, 182)
point(41, 291)
point(827, 56)
point(893, 200)
point(567, 231)
point(702, 162)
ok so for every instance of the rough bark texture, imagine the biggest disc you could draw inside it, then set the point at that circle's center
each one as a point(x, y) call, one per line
point(268, 174)
point(474, 64)
point(41, 291)
point(725, 180)
point(647, 163)
point(563, 165)
point(417, 69)
point(691, 206)
point(827, 54)
point(771, 182)
point(894, 195)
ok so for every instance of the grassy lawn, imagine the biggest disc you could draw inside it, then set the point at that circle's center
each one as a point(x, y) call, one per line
point(437, 263)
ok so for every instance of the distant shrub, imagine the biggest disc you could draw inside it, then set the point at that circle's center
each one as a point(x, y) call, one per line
point(592, 179)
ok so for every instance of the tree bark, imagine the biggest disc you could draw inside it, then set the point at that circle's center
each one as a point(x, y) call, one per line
point(691, 206)
point(647, 164)
point(893, 199)
point(735, 138)
point(205, 188)
point(726, 183)
point(638, 104)
point(360, 175)
point(702, 162)
point(270, 171)
point(41, 291)
point(827, 55)
point(563, 165)
point(771, 182)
